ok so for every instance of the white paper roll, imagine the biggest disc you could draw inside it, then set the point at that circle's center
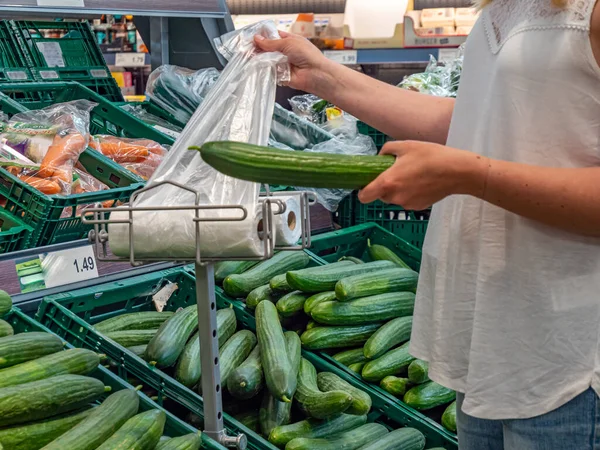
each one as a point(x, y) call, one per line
point(159, 234)
point(288, 229)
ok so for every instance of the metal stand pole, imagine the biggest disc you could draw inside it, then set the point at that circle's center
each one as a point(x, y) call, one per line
point(209, 357)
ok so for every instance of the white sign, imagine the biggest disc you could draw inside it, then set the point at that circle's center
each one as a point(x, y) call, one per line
point(69, 266)
point(52, 53)
point(63, 3)
point(130, 59)
point(447, 54)
point(342, 56)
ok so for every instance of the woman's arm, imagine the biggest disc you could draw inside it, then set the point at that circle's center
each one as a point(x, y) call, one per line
point(397, 112)
point(424, 173)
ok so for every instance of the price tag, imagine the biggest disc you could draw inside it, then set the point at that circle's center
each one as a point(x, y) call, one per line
point(342, 56)
point(69, 266)
point(59, 3)
point(130, 59)
point(447, 54)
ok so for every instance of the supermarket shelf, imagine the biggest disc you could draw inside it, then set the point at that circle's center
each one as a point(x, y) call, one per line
point(386, 55)
point(111, 57)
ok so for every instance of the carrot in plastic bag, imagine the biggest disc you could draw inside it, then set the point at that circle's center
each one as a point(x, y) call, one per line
point(62, 156)
point(43, 185)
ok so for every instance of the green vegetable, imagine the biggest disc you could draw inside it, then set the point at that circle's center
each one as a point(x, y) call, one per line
point(274, 166)
point(347, 357)
point(393, 333)
point(313, 428)
point(291, 304)
point(249, 419)
point(75, 361)
point(192, 441)
point(41, 399)
point(361, 402)
point(348, 440)
point(448, 418)
point(337, 337)
point(240, 285)
point(394, 385)
point(279, 284)
point(362, 311)
point(418, 371)
point(392, 363)
point(357, 367)
point(353, 259)
point(315, 403)
point(403, 438)
point(311, 324)
point(225, 268)
point(5, 329)
point(279, 375)
point(188, 369)
point(27, 346)
point(147, 320)
point(316, 299)
point(382, 253)
point(247, 380)
point(138, 350)
point(428, 395)
point(324, 279)
point(259, 294)
point(5, 303)
point(234, 352)
point(130, 338)
point(169, 341)
point(102, 423)
point(33, 436)
point(140, 432)
point(381, 282)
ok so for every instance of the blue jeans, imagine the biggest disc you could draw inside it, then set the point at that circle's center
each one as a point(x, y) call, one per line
point(573, 426)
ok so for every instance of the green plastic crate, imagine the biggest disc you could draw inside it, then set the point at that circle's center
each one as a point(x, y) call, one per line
point(174, 427)
point(378, 137)
point(14, 233)
point(75, 56)
point(69, 313)
point(13, 66)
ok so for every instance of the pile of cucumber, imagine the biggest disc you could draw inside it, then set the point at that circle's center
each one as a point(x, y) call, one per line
point(5, 307)
point(48, 401)
point(364, 308)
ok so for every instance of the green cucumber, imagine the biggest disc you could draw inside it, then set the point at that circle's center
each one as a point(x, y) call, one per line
point(418, 371)
point(357, 367)
point(393, 333)
point(192, 441)
point(273, 412)
point(368, 284)
point(33, 436)
point(129, 338)
point(6, 329)
point(169, 341)
point(279, 284)
point(320, 338)
point(5, 303)
point(259, 294)
point(279, 375)
point(249, 419)
point(347, 357)
point(313, 280)
point(448, 418)
point(225, 268)
point(394, 385)
point(311, 324)
point(403, 438)
point(44, 398)
point(391, 363)
point(146, 320)
point(381, 253)
point(141, 432)
point(347, 440)
point(316, 299)
point(75, 361)
point(428, 395)
point(234, 352)
point(274, 166)
point(247, 380)
point(138, 350)
point(291, 304)
point(102, 423)
point(361, 401)
point(377, 308)
point(188, 369)
point(240, 285)
point(315, 403)
point(27, 346)
point(313, 428)
point(352, 258)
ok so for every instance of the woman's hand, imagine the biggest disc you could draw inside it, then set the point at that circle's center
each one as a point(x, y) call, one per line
point(310, 68)
point(425, 173)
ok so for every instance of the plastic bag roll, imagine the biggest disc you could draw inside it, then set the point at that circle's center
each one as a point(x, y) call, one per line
point(288, 229)
point(172, 234)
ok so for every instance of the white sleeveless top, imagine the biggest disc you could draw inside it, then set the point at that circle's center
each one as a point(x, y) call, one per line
point(508, 309)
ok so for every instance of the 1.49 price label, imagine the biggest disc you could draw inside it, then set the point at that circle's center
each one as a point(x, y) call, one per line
point(69, 266)
point(84, 264)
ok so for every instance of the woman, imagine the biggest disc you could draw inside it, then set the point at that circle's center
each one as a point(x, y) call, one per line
point(508, 308)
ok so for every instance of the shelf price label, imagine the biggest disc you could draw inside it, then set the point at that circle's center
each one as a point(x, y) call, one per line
point(447, 54)
point(62, 3)
point(347, 57)
point(69, 266)
point(130, 59)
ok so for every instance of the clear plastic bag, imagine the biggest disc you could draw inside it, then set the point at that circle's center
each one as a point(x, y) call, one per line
point(326, 115)
point(238, 108)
